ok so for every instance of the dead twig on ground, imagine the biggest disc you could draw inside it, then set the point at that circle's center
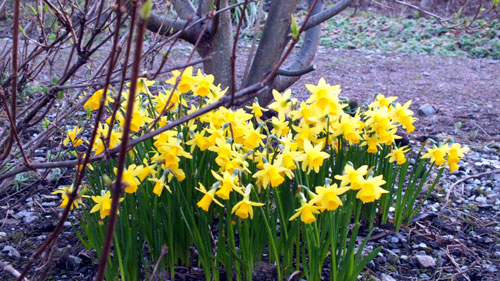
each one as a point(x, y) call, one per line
point(463, 180)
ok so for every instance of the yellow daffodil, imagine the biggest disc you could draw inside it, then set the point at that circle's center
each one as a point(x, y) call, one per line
point(280, 127)
point(281, 103)
point(313, 157)
point(437, 154)
point(352, 177)
point(207, 198)
point(398, 155)
point(103, 204)
point(227, 183)
point(306, 132)
point(94, 101)
point(160, 184)
point(65, 192)
point(204, 84)
point(371, 189)
point(102, 134)
point(257, 111)
point(71, 136)
point(142, 85)
point(455, 153)
point(403, 115)
point(382, 101)
point(187, 81)
point(372, 142)
point(243, 208)
point(253, 138)
point(306, 212)
point(129, 178)
point(328, 196)
point(270, 174)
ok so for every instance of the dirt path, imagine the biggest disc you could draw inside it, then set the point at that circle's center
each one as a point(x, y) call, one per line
point(460, 89)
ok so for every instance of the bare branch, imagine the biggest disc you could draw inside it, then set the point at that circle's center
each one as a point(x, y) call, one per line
point(327, 14)
point(184, 8)
point(306, 53)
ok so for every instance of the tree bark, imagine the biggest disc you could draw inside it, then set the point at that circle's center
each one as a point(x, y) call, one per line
point(219, 47)
point(306, 54)
point(272, 44)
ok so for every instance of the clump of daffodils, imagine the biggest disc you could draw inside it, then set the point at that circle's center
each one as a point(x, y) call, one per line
point(252, 155)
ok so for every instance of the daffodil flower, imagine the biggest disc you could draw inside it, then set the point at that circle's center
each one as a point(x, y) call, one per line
point(227, 184)
point(243, 208)
point(306, 211)
point(208, 198)
point(328, 196)
point(103, 204)
point(65, 192)
point(129, 178)
point(371, 189)
point(398, 155)
point(313, 157)
point(94, 101)
point(281, 103)
point(352, 177)
point(437, 154)
point(455, 153)
point(270, 174)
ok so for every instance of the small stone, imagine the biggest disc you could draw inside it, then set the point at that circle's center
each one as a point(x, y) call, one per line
point(490, 268)
point(74, 261)
point(49, 204)
point(404, 257)
point(67, 224)
point(2, 234)
point(481, 199)
point(394, 240)
point(422, 246)
point(426, 261)
point(386, 277)
point(12, 252)
point(426, 109)
point(28, 217)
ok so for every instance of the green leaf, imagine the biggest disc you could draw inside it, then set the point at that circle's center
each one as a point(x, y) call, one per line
point(60, 94)
point(145, 10)
point(45, 123)
point(459, 13)
point(295, 28)
point(33, 11)
point(495, 3)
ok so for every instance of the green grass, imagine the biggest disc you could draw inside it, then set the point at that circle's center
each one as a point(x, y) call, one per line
point(421, 36)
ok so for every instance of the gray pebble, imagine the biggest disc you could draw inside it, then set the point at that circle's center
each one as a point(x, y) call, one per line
point(49, 204)
point(426, 261)
point(12, 252)
point(426, 109)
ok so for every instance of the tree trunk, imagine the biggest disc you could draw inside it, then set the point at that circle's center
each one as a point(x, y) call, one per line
point(219, 48)
point(272, 44)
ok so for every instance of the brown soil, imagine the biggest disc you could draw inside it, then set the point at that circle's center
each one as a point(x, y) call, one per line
point(460, 89)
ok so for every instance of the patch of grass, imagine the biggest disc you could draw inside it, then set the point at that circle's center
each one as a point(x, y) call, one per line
point(421, 36)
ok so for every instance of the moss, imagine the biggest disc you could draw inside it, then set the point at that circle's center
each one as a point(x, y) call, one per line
point(16, 237)
point(479, 191)
point(471, 207)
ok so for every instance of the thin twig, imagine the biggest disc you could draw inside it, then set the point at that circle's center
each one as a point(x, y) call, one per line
point(8, 268)
point(164, 251)
point(122, 155)
point(464, 179)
